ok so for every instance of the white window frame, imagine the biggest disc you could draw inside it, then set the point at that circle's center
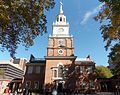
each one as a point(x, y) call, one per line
point(56, 68)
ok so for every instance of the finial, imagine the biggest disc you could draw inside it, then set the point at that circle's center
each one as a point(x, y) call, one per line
point(61, 4)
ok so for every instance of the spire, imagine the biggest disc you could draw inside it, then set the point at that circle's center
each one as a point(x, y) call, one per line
point(61, 5)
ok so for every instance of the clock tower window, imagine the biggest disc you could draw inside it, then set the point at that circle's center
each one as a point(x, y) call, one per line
point(60, 18)
point(64, 19)
point(61, 42)
point(57, 19)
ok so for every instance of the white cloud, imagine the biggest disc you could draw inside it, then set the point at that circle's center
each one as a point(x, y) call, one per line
point(90, 13)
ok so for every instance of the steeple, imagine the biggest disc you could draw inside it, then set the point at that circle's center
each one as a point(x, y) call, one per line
point(61, 5)
point(61, 26)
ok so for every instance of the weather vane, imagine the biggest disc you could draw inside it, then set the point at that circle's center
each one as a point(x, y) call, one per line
point(61, 10)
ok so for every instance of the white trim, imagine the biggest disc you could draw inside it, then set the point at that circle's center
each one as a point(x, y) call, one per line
point(83, 59)
point(60, 63)
point(60, 51)
point(57, 78)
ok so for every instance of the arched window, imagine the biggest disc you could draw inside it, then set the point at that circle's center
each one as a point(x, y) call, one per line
point(60, 18)
point(60, 71)
point(55, 73)
point(64, 19)
point(57, 19)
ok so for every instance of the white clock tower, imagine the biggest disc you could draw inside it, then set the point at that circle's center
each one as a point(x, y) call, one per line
point(60, 50)
point(61, 26)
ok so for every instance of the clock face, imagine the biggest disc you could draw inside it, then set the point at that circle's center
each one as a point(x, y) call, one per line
point(60, 30)
point(60, 51)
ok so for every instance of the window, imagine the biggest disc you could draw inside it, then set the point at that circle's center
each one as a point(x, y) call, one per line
point(36, 85)
point(37, 70)
point(60, 18)
point(77, 69)
point(57, 19)
point(55, 73)
point(64, 19)
point(30, 69)
point(82, 68)
point(60, 70)
point(90, 69)
point(61, 42)
point(28, 83)
point(91, 84)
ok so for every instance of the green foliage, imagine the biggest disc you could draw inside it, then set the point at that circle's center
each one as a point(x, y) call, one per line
point(103, 72)
point(109, 17)
point(115, 58)
point(2, 72)
point(110, 12)
point(21, 21)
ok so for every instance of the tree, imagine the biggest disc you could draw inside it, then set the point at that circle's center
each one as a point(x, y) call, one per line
point(109, 17)
point(21, 21)
point(103, 72)
point(81, 80)
point(115, 58)
point(2, 72)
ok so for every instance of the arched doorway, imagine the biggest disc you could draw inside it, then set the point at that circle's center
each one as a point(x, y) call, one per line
point(15, 84)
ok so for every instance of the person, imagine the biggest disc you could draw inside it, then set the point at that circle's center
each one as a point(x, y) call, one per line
point(7, 90)
point(27, 91)
point(54, 92)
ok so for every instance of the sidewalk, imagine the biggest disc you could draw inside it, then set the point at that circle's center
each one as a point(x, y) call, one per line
point(100, 93)
point(105, 93)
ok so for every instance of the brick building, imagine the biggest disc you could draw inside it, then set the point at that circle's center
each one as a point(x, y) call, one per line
point(34, 75)
point(60, 58)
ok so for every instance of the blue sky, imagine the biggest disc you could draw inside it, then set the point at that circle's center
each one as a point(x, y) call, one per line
point(87, 37)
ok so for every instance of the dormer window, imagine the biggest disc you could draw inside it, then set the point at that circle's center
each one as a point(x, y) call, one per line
point(60, 18)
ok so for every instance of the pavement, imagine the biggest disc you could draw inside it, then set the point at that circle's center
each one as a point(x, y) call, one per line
point(100, 93)
point(105, 93)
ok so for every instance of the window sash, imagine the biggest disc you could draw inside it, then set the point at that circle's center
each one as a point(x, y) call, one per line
point(36, 85)
point(30, 69)
point(38, 68)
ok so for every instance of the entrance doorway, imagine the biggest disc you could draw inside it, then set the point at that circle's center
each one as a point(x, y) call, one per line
point(60, 87)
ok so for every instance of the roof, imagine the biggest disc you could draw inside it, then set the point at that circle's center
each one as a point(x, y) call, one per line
point(5, 62)
point(84, 61)
point(37, 60)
